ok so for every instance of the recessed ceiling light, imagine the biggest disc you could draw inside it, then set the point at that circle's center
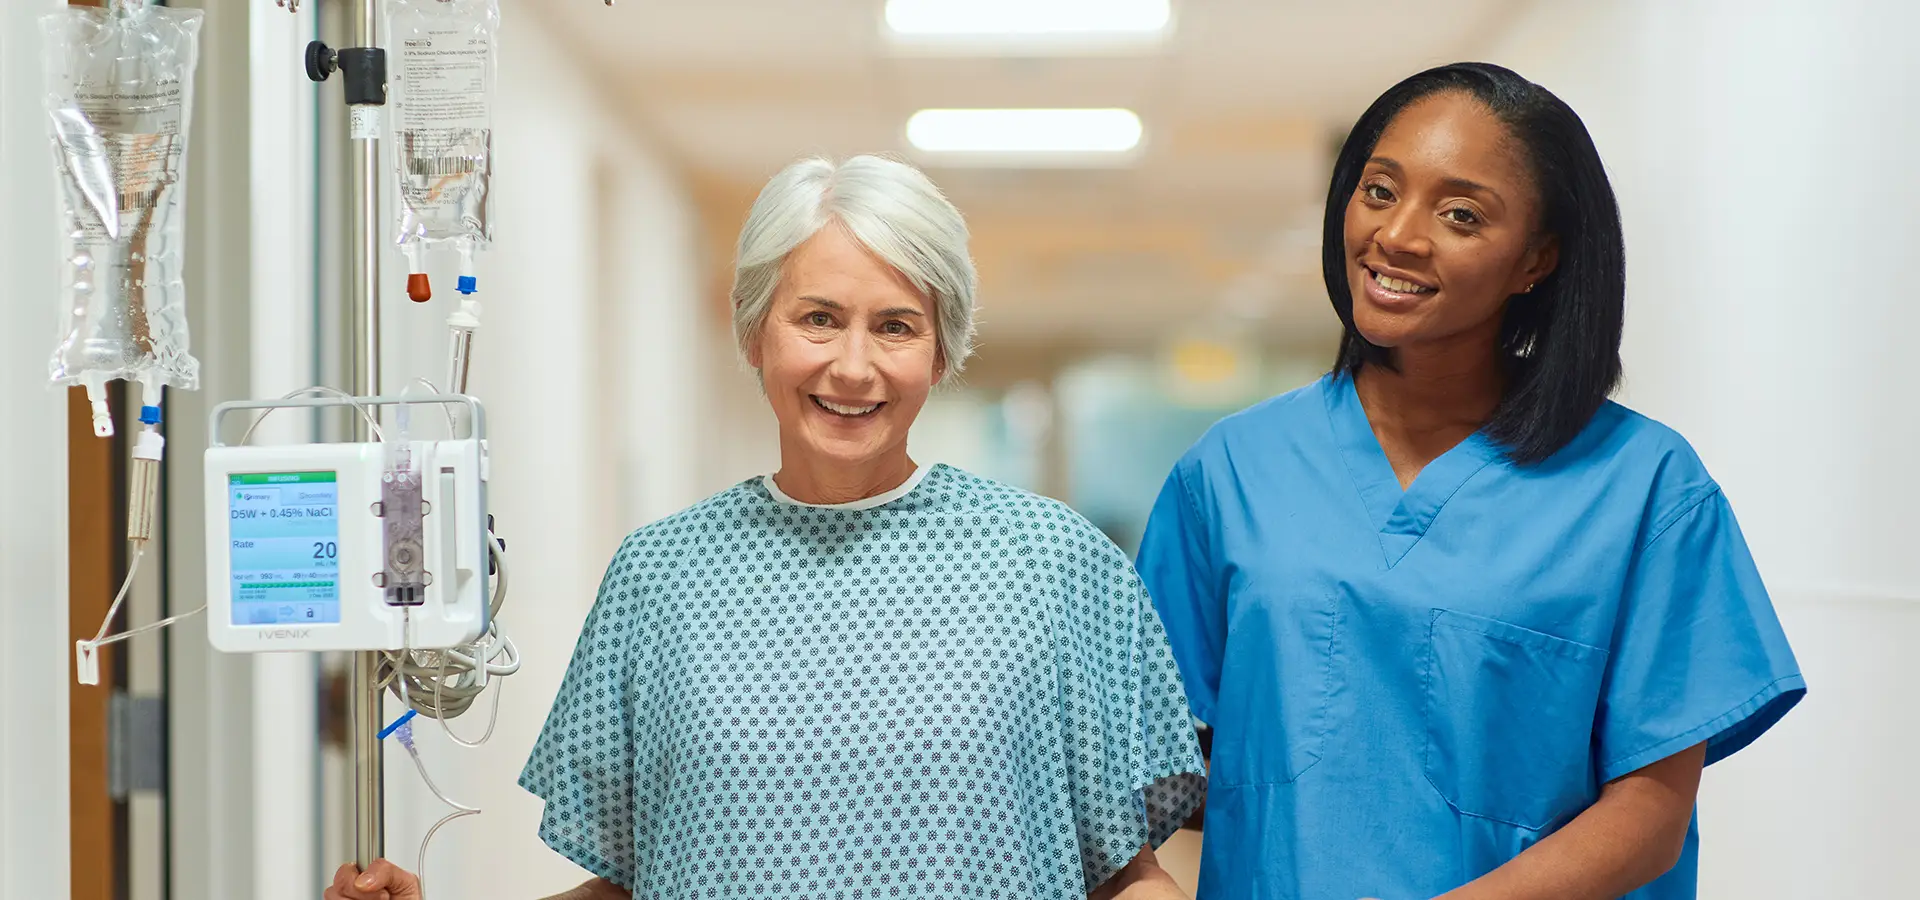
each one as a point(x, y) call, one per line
point(1028, 17)
point(1028, 132)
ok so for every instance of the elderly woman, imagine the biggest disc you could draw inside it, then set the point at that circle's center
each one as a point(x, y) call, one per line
point(859, 676)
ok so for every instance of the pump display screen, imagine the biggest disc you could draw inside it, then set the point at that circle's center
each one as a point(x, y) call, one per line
point(285, 533)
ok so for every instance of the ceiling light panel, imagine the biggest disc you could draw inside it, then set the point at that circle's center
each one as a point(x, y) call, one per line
point(1027, 136)
point(1027, 26)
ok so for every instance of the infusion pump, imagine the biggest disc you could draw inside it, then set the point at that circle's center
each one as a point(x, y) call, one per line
point(351, 546)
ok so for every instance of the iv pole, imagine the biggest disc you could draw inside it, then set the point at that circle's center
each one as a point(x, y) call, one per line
point(364, 706)
point(363, 67)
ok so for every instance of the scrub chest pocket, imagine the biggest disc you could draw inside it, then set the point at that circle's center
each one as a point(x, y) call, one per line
point(1276, 708)
point(1509, 720)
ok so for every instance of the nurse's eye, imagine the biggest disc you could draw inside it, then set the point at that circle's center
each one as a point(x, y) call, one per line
point(1377, 193)
point(1461, 215)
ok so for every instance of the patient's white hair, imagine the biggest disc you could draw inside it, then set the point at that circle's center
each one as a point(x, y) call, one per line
point(891, 208)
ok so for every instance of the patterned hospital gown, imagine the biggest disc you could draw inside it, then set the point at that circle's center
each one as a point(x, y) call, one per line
point(962, 692)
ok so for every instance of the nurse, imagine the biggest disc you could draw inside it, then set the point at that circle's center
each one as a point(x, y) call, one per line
point(1463, 628)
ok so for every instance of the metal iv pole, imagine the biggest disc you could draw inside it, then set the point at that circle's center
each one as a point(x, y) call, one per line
point(363, 68)
point(364, 707)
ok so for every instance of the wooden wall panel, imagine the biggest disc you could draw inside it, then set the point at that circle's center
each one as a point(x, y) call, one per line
point(96, 535)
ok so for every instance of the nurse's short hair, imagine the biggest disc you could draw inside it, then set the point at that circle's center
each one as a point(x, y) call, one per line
point(892, 209)
point(1559, 343)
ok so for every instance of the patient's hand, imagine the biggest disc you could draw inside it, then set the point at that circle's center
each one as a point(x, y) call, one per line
point(382, 881)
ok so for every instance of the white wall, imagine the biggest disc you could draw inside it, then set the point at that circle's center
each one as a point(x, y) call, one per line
point(285, 821)
point(654, 344)
point(590, 336)
point(744, 439)
point(34, 644)
point(210, 695)
point(1763, 156)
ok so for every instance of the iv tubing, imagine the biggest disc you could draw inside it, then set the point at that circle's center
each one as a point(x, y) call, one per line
point(443, 684)
point(102, 639)
point(404, 730)
point(142, 506)
point(463, 322)
point(143, 489)
point(139, 552)
point(372, 423)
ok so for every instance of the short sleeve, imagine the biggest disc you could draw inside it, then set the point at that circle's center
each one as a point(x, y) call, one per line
point(1177, 565)
point(1173, 775)
point(1698, 653)
point(582, 764)
point(1134, 770)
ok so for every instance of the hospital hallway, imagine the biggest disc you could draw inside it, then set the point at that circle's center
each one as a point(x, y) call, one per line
point(1144, 183)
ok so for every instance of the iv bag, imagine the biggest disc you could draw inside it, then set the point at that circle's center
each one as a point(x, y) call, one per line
point(119, 95)
point(444, 56)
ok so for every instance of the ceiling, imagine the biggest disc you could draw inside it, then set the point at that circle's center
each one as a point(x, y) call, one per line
point(1214, 225)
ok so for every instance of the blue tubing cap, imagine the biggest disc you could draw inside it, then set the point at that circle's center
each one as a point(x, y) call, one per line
point(404, 719)
point(150, 415)
point(467, 284)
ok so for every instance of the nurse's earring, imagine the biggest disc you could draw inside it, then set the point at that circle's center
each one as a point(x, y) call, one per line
point(1527, 290)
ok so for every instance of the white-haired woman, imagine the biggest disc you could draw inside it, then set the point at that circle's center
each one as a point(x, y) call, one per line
point(860, 677)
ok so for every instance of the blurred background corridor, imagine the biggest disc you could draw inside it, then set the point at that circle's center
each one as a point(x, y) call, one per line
point(1761, 152)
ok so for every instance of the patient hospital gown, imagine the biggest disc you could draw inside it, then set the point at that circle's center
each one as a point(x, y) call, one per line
point(956, 689)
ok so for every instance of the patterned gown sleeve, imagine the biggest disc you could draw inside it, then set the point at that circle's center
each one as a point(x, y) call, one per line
point(582, 765)
point(1135, 767)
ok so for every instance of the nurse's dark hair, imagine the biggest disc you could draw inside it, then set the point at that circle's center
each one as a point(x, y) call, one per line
point(1561, 342)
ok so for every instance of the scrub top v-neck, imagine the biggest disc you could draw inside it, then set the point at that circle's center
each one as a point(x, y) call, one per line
point(1400, 516)
point(1409, 688)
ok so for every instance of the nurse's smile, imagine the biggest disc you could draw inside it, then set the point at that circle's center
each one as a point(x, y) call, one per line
point(1397, 293)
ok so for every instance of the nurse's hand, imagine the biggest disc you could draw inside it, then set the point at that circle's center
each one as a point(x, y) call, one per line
point(383, 881)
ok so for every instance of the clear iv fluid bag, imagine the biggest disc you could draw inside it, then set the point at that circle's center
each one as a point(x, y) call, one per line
point(444, 56)
point(119, 85)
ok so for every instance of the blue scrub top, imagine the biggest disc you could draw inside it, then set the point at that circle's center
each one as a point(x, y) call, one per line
point(1409, 688)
